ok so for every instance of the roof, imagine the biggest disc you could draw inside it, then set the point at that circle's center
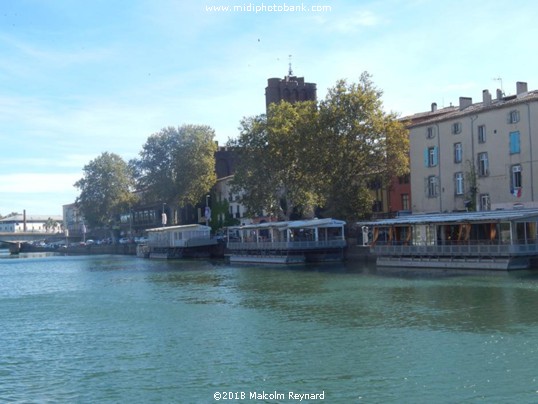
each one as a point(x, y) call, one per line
point(294, 224)
point(181, 227)
point(427, 118)
point(516, 215)
point(31, 218)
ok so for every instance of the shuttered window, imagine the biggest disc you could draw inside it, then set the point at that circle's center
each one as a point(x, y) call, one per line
point(515, 143)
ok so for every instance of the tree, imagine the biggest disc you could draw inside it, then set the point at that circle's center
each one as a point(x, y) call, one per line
point(50, 224)
point(274, 164)
point(302, 155)
point(177, 166)
point(105, 190)
point(362, 143)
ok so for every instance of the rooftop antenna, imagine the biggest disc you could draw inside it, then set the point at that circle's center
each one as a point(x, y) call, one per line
point(501, 80)
point(290, 72)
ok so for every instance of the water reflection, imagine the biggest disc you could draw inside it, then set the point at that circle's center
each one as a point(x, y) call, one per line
point(349, 297)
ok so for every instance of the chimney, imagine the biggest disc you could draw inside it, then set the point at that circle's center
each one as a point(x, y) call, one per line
point(24, 220)
point(465, 102)
point(521, 87)
point(434, 106)
point(499, 94)
point(486, 98)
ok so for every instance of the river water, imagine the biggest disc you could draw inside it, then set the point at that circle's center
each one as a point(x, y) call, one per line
point(115, 329)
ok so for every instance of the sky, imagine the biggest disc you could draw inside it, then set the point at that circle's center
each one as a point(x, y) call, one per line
point(79, 78)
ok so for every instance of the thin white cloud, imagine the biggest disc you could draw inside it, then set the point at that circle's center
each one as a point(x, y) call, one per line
point(357, 20)
point(31, 183)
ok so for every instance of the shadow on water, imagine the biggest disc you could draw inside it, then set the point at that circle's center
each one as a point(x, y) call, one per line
point(467, 301)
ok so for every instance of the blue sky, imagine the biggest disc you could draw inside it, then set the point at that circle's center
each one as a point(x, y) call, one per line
point(78, 78)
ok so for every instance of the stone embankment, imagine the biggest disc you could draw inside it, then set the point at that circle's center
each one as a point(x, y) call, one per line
point(93, 249)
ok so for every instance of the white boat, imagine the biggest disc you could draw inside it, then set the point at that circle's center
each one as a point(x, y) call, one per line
point(289, 242)
point(186, 241)
point(500, 240)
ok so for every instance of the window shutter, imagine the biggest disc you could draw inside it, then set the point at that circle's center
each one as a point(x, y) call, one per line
point(435, 158)
point(426, 158)
point(514, 142)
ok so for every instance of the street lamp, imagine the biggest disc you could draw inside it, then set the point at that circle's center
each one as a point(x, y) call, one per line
point(163, 216)
point(207, 212)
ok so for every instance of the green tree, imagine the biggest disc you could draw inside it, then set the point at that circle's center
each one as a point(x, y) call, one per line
point(305, 155)
point(50, 224)
point(106, 189)
point(274, 172)
point(362, 143)
point(177, 165)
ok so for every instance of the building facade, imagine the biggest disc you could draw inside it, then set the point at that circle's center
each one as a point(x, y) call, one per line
point(477, 156)
point(31, 224)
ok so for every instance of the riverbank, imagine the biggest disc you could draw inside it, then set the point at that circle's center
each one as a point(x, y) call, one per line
point(92, 249)
point(353, 253)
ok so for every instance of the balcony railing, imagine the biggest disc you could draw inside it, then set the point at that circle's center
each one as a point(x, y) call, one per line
point(478, 250)
point(286, 245)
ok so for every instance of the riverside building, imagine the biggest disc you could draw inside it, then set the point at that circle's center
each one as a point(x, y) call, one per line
point(476, 156)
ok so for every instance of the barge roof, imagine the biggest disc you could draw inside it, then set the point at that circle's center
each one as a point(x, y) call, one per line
point(294, 224)
point(515, 215)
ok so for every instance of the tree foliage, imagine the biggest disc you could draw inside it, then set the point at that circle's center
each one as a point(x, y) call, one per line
point(105, 189)
point(365, 144)
point(305, 155)
point(177, 165)
point(274, 164)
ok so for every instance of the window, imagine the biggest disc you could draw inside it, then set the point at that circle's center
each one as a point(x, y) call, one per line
point(458, 178)
point(515, 145)
point(405, 202)
point(374, 184)
point(513, 116)
point(377, 206)
point(456, 128)
point(430, 156)
point(485, 203)
point(516, 176)
point(483, 166)
point(432, 187)
point(482, 134)
point(430, 134)
point(458, 153)
point(403, 179)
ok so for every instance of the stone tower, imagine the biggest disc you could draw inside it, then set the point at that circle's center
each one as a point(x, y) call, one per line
point(291, 88)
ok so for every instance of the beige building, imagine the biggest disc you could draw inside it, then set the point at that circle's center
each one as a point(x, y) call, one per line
point(479, 156)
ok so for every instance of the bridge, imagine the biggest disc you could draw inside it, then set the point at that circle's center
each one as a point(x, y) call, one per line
point(13, 241)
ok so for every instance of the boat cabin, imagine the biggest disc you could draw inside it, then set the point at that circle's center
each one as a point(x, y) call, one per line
point(192, 240)
point(501, 239)
point(287, 242)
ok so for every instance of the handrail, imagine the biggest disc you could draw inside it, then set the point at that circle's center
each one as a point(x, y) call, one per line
point(454, 249)
point(285, 245)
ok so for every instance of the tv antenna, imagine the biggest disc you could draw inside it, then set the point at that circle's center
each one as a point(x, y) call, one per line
point(290, 72)
point(501, 80)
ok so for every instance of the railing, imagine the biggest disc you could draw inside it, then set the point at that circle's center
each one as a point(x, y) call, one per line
point(286, 245)
point(454, 250)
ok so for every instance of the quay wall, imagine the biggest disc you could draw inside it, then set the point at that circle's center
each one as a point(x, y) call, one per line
point(353, 252)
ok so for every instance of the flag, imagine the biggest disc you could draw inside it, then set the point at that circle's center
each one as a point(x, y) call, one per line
point(516, 192)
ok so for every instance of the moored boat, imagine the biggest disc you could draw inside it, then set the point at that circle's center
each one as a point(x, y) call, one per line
point(500, 240)
point(287, 242)
point(185, 241)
